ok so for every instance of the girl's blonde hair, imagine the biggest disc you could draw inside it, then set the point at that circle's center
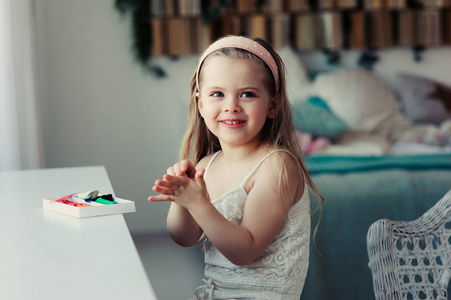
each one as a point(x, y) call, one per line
point(277, 132)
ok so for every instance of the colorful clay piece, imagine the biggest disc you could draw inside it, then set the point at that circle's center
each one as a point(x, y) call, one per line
point(104, 201)
point(65, 201)
point(107, 197)
point(88, 197)
point(82, 205)
point(63, 197)
point(91, 195)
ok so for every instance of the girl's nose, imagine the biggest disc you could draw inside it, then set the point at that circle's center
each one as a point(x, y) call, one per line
point(232, 105)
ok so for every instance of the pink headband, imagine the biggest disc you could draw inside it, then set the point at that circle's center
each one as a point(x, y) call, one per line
point(246, 44)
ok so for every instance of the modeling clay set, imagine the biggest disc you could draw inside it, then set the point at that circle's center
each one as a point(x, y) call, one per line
point(89, 204)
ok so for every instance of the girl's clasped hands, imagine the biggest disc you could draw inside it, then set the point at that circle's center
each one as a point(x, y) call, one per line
point(182, 184)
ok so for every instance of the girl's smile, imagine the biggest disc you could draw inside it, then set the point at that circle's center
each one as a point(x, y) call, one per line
point(233, 123)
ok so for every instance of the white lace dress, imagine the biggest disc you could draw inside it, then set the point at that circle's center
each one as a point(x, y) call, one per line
point(280, 271)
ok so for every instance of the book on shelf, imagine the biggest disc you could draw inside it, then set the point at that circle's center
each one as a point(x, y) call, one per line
point(325, 4)
point(186, 41)
point(396, 4)
point(227, 25)
point(307, 32)
point(203, 33)
point(246, 6)
point(447, 27)
point(157, 8)
point(270, 6)
point(182, 35)
point(162, 8)
point(332, 31)
point(158, 47)
point(257, 26)
point(279, 28)
point(346, 4)
point(428, 27)
point(358, 30)
point(231, 24)
point(174, 37)
point(169, 7)
point(373, 4)
point(434, 3)
point(297, 5)
point(405, 28)
point(189, 7)
point(379, 29)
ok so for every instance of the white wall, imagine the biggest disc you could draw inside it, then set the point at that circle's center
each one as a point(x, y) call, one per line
point(100, 108)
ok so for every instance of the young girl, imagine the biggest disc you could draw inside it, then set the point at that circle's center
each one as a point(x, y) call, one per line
point(245, 188)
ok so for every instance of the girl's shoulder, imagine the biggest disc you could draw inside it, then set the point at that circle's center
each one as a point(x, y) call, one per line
point(282, 161)
point(281, 155)
point(281, 172)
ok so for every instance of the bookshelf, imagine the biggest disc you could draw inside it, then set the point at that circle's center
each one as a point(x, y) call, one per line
point(178, 27)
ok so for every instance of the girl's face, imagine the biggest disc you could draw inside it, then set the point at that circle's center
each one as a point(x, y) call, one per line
point(233, 100)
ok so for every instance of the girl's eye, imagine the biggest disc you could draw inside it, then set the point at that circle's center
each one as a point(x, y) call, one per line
point(248, 95)
point(217, 94)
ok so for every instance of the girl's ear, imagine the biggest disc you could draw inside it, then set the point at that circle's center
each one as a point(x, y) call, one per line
point(274, 106)
point(199, 105)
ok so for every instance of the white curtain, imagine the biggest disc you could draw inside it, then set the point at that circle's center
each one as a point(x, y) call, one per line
point(20, 138)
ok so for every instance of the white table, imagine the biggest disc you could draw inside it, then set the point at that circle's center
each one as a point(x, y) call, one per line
point(46, 255)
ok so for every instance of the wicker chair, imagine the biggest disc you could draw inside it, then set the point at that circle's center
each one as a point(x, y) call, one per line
point(412, 260)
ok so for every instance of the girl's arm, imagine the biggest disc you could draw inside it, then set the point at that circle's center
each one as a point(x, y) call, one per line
point(265, 212)
point(266, 209)
point(181, 226)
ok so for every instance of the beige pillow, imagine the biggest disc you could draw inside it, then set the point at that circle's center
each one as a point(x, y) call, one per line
point(298, 82)
point(356, 96)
